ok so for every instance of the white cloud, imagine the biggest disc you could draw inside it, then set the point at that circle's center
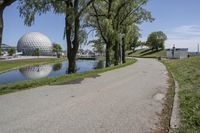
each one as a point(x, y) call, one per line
point(185, 36)
point(193, 30)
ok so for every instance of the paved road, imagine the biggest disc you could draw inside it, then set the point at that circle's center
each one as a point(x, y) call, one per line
point(126, 100)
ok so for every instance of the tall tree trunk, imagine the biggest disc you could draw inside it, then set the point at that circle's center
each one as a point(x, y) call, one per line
point(108, 54)
point(3, 5)
point(123, 51)
point(116, 54)
point(72, 46)
point(72, 63)
point(73, 51)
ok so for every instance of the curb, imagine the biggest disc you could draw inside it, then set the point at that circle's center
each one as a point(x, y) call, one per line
point(175, 117)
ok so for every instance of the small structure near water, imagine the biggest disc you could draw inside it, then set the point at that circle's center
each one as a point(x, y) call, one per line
point(177, 53)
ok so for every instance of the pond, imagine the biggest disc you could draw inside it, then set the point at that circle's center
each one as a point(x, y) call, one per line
point(48, 70)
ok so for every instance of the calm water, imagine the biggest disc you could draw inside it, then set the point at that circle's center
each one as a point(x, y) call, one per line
point(41, 71)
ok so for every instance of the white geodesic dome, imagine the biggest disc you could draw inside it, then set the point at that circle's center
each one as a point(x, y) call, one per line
point(31, 41)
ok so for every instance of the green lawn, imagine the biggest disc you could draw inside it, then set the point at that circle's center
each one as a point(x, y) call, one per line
point(22, 85)
point(148, 53)
point(187, 73)
point(7, 65)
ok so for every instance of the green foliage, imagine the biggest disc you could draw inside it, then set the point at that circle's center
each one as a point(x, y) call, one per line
point(111, 18)
point(98, 46)
point(36, 52)
point(11, 51)
point(29, 8)
point(186, 72)
point(141, 43)
point(131, 36)
point(156, 40)
point(57, 48)
point(57, 67)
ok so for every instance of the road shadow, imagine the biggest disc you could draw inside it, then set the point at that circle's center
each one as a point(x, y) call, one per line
point(75, 81)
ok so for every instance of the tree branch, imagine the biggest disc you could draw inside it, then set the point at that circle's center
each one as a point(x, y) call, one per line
point(99, 26)
point(132, 11)
point(82, 10)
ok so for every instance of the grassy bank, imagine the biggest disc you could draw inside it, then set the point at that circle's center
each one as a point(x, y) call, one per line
point(22, 85)
point(12, 64)
point(187, 73)
point(148, 53)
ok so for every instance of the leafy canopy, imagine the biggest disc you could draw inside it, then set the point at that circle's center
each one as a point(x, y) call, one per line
point(57, 47)
point(156, 40)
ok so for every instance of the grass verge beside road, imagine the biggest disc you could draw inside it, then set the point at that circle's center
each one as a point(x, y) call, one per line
point(165, 116)
point(187, 73)
point(148, 53)
point(22, 85)
point(13, 64)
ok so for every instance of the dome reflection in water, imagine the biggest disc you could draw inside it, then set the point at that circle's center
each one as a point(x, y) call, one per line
point(36, 72)
point(50, 70)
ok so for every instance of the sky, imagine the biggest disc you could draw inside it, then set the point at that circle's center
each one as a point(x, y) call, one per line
point(178, 19)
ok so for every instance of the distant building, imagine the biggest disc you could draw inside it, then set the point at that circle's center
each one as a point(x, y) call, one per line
point(32, 41)
point(177, 53)
point(85, 53)
point(5, 49)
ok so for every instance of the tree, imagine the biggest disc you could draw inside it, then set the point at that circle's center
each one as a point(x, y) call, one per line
point(57, 48)
point(11, 51)
point(99, 17)
point(141, 43)
point(131, 36)
point(98, 46)
point(156, 40)
point(128, 15)
point(108, 17)
point(57, 67)
point(36, 52)
point(74, 11)
point(3, 5)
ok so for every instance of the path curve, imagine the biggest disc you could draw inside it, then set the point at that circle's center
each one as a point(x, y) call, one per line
point(125, 100)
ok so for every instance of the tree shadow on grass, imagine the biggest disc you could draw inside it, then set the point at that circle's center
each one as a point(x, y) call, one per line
point(152, 52)
point(147, 50)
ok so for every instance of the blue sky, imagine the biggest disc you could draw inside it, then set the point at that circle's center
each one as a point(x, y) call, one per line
point(179, 19)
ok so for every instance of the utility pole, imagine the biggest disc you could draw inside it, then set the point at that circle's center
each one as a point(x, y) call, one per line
point(198, 49)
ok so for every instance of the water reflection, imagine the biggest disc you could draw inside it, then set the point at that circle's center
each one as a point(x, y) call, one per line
point(35, 72)
point(100, 64)
point(41, 71)
point(57, 67)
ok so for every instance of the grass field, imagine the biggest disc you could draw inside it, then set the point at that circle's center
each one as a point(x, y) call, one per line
point(8, 65)
point(22, 85)
point(148, 53)
point(187, 73)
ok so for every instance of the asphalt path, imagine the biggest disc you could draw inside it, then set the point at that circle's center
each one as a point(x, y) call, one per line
point(125, 100)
